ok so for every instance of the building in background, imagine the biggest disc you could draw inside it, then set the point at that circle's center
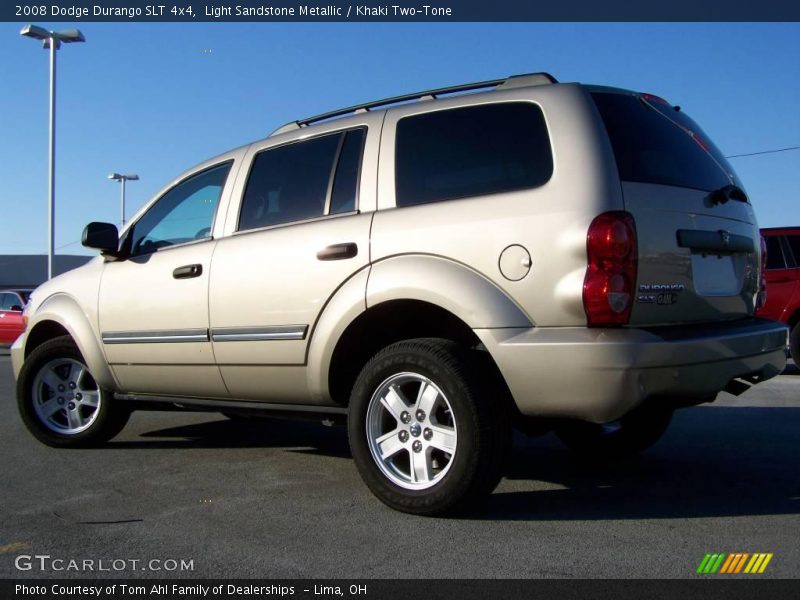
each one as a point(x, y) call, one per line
point(30, 270)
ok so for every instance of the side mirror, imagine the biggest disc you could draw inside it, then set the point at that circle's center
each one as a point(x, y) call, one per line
point(103, 237)
point(16, 307)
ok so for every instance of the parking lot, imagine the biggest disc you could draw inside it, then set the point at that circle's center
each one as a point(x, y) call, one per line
point(283, 499)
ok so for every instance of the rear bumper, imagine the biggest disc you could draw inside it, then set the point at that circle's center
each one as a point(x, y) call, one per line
point(601, 374)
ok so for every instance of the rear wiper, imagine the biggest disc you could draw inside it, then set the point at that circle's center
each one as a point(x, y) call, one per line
point(727, 192)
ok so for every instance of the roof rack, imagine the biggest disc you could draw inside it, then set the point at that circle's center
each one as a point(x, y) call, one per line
point(527, 79)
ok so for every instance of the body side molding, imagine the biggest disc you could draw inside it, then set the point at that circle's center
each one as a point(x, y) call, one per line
point(255, 334)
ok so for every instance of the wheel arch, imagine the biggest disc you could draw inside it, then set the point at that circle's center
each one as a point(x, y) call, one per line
point(60, 315)
point(401, 298)
point(385, 324)
point(451, 285)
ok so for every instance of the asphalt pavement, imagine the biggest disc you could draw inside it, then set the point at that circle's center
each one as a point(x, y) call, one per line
point(269, 499)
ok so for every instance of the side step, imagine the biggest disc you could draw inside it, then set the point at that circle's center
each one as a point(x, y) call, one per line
point(295, 411)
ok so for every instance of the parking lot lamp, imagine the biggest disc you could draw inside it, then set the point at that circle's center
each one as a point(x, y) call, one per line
point(122, 179)
point(52, 40)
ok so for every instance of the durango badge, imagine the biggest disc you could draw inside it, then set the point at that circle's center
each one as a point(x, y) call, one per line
point(663, 294)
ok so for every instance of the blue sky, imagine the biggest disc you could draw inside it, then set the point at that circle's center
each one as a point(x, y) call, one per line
point(154, 99)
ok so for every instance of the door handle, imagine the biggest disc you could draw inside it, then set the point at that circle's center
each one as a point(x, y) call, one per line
point(338, 251)
point(188, 271)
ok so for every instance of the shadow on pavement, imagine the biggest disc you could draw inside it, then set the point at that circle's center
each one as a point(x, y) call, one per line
point(791, 369)
point(299, 436)
point(713, 462)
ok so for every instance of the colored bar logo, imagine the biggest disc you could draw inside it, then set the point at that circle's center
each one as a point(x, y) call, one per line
point(734, 563)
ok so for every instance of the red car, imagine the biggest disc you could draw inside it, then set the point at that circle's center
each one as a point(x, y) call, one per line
point(11, 325)
point(783, 282)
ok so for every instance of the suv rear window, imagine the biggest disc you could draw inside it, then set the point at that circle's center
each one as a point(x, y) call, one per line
point(471, 151)
point(654, 143)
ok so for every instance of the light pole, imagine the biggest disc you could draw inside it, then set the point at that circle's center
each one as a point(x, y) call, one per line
point(122, 179)
point(52, 40)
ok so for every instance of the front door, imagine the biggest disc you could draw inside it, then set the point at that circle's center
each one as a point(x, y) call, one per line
point(153, 305)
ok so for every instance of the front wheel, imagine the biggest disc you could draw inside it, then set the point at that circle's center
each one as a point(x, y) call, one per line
point(427, 431)
point(60, 402)
point(633, 433)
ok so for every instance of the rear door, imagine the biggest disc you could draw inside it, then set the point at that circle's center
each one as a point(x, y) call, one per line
point(300, 232)
point(699, 245)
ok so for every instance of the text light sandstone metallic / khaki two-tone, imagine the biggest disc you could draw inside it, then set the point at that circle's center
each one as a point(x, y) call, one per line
point(438, 268)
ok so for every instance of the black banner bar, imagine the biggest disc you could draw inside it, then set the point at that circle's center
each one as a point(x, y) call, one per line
point(398, 10)
point(702, 588)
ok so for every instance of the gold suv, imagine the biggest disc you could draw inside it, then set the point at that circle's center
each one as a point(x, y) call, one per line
point(437, 268)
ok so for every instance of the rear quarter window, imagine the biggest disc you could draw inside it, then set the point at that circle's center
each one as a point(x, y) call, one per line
point(471, 151)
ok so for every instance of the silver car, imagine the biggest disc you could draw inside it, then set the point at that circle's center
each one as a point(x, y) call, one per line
point(436, 268)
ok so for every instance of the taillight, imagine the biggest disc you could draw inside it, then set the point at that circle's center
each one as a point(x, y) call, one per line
point(761, 299)
point(610, 282)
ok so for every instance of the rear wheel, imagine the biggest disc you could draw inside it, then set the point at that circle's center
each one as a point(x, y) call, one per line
point(633, 433)
point(425, 431)
point(60, 402)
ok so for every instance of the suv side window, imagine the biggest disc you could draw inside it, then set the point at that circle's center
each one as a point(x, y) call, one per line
point(794, 244)
point(344, 194)
point(471, 151)
point(7, 301)
point(183, 214)
point(775, 259)
point(303, 180)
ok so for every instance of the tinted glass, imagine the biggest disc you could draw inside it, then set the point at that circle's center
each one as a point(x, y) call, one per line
point(345, 183)
point(7, 301)
point(184, 213)
point(660, 145)
point(289, 183)
point(794, 244)
point(775, 258)
point(471, 152)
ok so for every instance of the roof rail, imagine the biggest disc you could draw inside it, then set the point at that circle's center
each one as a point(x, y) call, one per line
point(527, 79)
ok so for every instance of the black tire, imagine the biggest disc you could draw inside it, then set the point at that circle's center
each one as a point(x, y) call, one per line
point(83, 426)
point(465, 401)
point(794, 344)
point(633, 433)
